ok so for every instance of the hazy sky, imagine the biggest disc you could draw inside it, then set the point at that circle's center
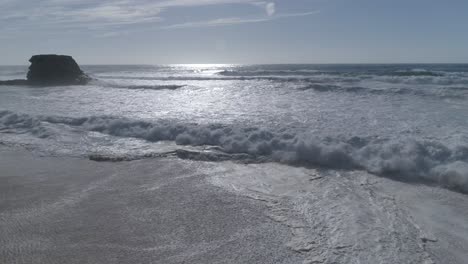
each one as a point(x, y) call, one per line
point(235, 31)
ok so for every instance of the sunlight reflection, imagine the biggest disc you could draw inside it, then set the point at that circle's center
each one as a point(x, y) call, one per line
point(204, 66)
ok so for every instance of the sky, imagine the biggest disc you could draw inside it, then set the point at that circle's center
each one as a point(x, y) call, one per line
point(235, 31)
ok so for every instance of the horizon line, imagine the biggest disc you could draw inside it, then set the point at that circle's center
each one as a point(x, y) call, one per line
point(286, 63)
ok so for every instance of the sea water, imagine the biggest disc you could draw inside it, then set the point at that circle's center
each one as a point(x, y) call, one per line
point(408, 122)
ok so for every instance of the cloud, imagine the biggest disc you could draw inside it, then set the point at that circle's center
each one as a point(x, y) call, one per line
point(270, 9)
point(105, 12)
point(57, 16)
point(235, 21)
point(107, 15)
point(186, 3)
point(87, 14)
point(216, 22)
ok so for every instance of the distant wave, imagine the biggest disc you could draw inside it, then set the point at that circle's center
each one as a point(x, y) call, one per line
point(407, 160)
point(13, 73)
point(437, 86)
point(415, 72)
point(440, 92)
point(269, 72)
point(136, 86)
point(411, 77)
point(200, 78)
point(421, 80)
point(149, 87)
point(402, 73)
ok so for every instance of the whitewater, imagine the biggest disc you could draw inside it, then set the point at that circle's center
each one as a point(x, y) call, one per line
point(350, 163)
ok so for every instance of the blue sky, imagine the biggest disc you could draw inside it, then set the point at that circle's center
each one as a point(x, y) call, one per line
point(236, 31)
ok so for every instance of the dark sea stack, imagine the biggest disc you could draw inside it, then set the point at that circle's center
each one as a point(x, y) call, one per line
point(55, 70)
point(46, 70)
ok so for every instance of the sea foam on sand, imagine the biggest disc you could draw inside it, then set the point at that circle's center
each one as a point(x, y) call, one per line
point(171, 211)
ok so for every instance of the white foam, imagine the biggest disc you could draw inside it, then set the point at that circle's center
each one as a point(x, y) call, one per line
point(408, 159)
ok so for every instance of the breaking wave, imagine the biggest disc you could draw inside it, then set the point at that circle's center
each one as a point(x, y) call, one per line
point(408, 160)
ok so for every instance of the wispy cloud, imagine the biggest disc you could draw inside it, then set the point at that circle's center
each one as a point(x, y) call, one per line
point(110, 15)
point(216, 22)
point(236, 21)
point(81, 13)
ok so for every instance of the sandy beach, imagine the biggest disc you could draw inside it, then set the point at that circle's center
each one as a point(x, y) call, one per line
point(72, 210)
point(65, 210)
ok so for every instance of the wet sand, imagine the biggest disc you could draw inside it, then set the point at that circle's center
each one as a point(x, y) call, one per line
point(67, 210)
point(169, 210)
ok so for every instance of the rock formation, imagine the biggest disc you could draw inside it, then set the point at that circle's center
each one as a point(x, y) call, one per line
point(52, 70)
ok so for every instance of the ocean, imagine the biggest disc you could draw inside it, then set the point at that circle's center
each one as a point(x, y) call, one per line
point(407, 121)
point(237, 164)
